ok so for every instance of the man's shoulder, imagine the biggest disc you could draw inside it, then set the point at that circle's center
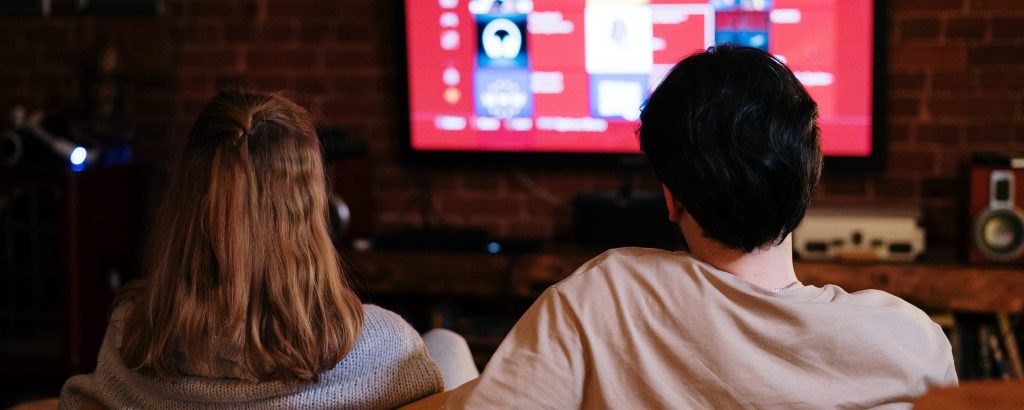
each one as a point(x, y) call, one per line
point(875, 299)
point(629, 259)
point(886, 315)
point(621, 267)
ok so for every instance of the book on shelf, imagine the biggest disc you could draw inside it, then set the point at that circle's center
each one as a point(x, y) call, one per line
point(984, 352)
point(1016, 368)
point(999, 366)
point(985, 346)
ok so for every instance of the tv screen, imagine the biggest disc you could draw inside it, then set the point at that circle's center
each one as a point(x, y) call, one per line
point(570, 76)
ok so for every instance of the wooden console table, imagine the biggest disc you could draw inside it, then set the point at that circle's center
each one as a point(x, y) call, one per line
point(929, 285)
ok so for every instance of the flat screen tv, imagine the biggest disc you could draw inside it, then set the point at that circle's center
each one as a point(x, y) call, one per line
point(492, 79)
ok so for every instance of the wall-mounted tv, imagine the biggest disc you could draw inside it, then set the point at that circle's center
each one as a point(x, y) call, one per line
point(531, 78)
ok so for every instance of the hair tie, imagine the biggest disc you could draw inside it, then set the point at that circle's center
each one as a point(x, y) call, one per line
point(240, 137)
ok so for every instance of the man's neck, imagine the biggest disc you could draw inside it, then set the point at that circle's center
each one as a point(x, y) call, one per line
point(769, 267)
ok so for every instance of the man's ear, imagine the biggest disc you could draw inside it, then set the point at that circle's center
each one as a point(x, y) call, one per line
point(675, 209)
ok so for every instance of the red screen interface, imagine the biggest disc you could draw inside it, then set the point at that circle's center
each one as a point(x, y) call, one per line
point(571, 76)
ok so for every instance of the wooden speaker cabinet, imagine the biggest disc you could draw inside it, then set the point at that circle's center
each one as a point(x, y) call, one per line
point(997, 222)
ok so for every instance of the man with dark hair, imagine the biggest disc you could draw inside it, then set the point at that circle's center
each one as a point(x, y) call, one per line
point(732, 135)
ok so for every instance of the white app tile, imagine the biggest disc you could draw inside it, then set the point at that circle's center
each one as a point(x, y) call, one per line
point(618, 39)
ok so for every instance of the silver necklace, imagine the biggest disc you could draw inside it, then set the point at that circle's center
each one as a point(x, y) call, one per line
point(785, 287)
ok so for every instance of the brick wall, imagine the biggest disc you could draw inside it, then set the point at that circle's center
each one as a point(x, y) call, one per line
point(956, 75)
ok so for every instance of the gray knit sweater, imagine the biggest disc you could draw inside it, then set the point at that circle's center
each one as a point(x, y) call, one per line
point(388, 367)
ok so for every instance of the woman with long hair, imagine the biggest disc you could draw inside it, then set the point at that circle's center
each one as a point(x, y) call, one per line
point(245, 303)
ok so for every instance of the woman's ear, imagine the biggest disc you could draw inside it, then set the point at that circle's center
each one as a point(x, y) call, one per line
point(675, 209)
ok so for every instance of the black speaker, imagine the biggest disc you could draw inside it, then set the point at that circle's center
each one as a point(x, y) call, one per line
point(615, 219)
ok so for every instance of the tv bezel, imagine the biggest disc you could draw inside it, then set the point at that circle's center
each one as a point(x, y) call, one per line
point(871, 164)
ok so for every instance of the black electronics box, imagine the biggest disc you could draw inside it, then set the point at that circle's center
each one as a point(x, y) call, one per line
point(141, 8)
point(616, 219)
point(24, 8)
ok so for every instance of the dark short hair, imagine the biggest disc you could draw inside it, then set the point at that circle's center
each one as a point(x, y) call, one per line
point(733, 135)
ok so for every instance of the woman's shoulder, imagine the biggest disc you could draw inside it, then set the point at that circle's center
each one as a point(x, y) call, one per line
point(385, 337)
point(391, 356)
point(382, 323)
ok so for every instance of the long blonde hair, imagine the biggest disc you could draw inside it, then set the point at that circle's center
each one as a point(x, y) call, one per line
point(241, 251)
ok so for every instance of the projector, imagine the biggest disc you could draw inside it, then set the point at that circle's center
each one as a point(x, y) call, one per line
point(860, 234)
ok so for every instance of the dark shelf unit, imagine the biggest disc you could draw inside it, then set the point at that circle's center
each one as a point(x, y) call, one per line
point(67, 240)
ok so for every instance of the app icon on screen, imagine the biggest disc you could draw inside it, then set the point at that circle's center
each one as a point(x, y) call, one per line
point(502, 93)
point(743, 22)
point(501, 40)
point(617, 95)
point(618, 39)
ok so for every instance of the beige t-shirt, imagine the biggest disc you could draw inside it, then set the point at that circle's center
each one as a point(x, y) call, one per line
point(646, 328)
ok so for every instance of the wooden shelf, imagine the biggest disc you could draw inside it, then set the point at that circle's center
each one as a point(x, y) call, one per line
point(434, 273)
point(931, 285)
point(927, 285)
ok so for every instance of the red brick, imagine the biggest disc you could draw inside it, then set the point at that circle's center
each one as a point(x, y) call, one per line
point(1004, 28)
point(310, 8)
point(191, 108)
point(1004, 54)
point(845, 187)
point(317, 31)
point(284, 58)
point(358, 107)
point(174, 8)
point(906, 81)
point(905, 106)
point(210, 58)
point(224, 8)
point(971, 106)
point(895, 186)
point(919, 28)
point(998, 133)
point(207, 32)
point(533, 228)
point(967, 28)
point(354, 56)
point(358, 85)
point(938, 133)
point(230, 81)
point(1001, 80)
point(995, 5)
point(479, 208)
point(952, 80)
point(240, 32)
point(280, 31)
point(361, 31)
point(270, 82)
point(485, 183)
point(198, 82)
point(926, 5)
point(912, 160)
point(927, 56)
point(449, 181)
point(313, 85)
point(898, 132)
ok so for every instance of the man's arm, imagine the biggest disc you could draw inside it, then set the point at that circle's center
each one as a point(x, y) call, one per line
point(540, 364)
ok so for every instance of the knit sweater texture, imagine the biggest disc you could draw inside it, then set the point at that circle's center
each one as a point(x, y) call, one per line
point(388, 367)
